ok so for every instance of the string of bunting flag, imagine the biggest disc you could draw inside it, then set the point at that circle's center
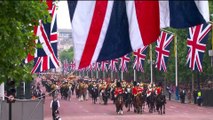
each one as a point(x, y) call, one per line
point(46, 58)
point(196, 43)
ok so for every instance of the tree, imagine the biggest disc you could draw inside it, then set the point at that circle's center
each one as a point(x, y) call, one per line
point(67, 55)
point(18, 19)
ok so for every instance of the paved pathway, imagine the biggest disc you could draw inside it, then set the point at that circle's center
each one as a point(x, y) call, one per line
point(86, 110)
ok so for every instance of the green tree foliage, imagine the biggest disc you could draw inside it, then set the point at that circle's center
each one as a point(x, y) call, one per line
point(67, 55)
point(17, 19)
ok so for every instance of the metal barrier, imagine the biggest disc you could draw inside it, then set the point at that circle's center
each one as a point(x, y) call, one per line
point(23, 110)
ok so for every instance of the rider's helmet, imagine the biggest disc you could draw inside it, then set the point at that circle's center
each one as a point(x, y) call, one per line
point(118, 84)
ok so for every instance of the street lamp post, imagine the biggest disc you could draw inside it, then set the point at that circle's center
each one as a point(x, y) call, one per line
point(211, 51)
point(151, 63)
point(211, 55)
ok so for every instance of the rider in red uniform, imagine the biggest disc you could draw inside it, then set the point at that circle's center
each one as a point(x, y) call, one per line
point(118, 89)
point(140, 89)
point(135, 89)
point(158, 90)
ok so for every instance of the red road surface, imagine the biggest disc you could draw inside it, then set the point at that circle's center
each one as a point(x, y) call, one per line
point(86, 110)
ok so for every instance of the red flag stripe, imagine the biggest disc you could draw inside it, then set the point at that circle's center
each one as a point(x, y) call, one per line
point(94, 33)
point(54, 37)
point(148, 20)
point(36, 65)
point(49, 4)
point(45, 63)
point(53, 10)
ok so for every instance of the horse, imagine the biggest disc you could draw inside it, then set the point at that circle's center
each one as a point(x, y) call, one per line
point(119, 102)
point(160, 103)
point(94, 93)
point(143, 99)
point(137, 102)
point(128, 101)
point(105, 95)
point(151, 102)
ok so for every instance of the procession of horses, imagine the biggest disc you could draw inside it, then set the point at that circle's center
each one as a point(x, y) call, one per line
point(132, 95)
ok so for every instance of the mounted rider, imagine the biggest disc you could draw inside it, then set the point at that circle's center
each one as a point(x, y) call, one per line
point(118, 90)
point(128, 96)
point(135, 89)
point(140, 89)
point(151, 89)
point(128, 89)
point(158, 90)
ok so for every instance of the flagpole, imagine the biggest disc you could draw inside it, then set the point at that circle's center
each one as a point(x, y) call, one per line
point(176, 69)
point(91, 73)
point(134, 75)
point(103, 75)
point(122, 75)
point(150, 52)
point(112, 75)
point(96, 74)
point(212, 46)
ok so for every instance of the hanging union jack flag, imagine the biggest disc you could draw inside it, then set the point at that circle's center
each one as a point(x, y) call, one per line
point(104, 66)
point(72, 66)
point(123, 65)
point(140, 56)
point(196, 44)
point(66, 66)
point(96, 66)
point(112, 65)
point(162, 50)
point(48, 37)
point(89, 68)
point(44, 32)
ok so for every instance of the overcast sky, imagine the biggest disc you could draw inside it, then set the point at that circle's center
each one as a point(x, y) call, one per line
point(63, 19)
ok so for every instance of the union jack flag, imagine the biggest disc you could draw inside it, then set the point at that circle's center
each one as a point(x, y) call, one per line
point(140, 56)
point(96, 66)
point(112, 65)
point(89, 68)
point(66, 66)
point(48, 36)
point(162, 50)
point(82, 69)
point(104, 66)
point(44, 32)
point(72, 66)
point(123, 65)
point(196, 44)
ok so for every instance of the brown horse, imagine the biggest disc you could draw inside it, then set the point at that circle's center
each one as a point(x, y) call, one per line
point(137, 102)
point(119, 102)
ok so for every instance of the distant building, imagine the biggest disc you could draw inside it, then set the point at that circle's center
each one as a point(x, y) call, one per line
point(64, 43)
point(65, 39)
